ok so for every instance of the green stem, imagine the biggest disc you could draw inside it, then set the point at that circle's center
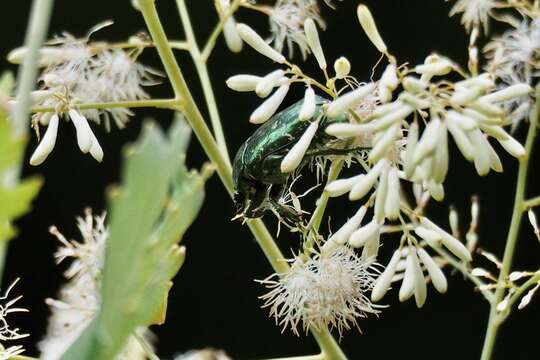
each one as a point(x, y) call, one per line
point(157, 103)
point(488, 295)
point(36, 31)
point(211, 42)
point(325, 340)
point(513, 232)
point(26, 79)
point(533, 281)
point(535, 201)
point(316, 218)
point(202, 71)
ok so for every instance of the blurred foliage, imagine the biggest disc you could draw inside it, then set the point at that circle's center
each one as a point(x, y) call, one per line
point(15, 195)
point(148, 213)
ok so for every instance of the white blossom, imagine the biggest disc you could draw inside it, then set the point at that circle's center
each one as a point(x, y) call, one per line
point(475, 12)
point(80, 297)
point(258, 44)
point(328, 290)
point(287, 24)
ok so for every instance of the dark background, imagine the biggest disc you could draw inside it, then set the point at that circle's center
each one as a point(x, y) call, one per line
point(214, 299)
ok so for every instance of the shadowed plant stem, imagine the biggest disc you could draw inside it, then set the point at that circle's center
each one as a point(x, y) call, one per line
point(36, 31)
point(494, 321)
point(325, 340)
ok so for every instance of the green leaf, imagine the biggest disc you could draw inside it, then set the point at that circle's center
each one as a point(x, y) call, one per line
point(15, 195)
point(158, 200)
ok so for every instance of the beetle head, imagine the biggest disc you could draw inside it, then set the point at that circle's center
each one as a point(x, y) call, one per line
point(249, 199)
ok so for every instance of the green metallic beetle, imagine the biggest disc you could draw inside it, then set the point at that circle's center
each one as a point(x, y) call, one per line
point(258, 180)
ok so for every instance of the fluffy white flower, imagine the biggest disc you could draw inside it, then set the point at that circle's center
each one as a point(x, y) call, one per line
point(328, 290)
point(287, 19)
point(514, 59)
point(80, 296)
point(475, 12)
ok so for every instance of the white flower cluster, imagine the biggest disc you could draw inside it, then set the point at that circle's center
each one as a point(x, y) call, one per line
point(326, 291)
point(514, 59)
point(76, 72)
point(80, 297)
point(405, 118)
point(286, 18)
point(8, 333)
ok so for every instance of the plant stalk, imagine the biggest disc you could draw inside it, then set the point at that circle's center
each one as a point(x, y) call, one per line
point(513, 232)
point(325, 340)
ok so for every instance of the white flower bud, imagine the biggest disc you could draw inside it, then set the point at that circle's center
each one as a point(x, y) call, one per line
point(345, 130)
point(83, 130)
point(230, 33)
point(380, 196)
point(437, 276)
point(257, 43)
point(399, 113)
point(371, 249)
point(45, 118)
point(47, 143)
point(440, 161)
point(364, 184)
point(386, 109)
point(392, 204)
point(389, 77)
point(440, 67)
point(308, 106)
point(464, 122)
point(486, 107)
point(95, 150)
point(314, 42)
point(450, 242)
point(412, 140)
point(345, 102)
point(483, 81)
point(513, 147)
point(53, 80)
point(431, 237)
point(495, 131)
point(294, 157)
point(534, 223)
point(385, 143)
point(429, 140)
point(269, 106)
point(385, 279)
point(367, 232)
point(407, 288)
point(462, 141)
point(342, 186)
point(414, 85)
point(435, 189)
point(243, 82)
point(494, 160)
point(267, 83)
point(464, 96)
point(502, 305)
point(508, 93)
point(342, 67)
point(414, 100)
point(482, 162)
point(420, 288)
point(344, 233)
point(368, 24)
point(527, 298)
